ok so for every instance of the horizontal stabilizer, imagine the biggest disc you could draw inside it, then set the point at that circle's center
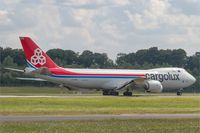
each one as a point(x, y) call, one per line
point(30, 79)
point(13, 69)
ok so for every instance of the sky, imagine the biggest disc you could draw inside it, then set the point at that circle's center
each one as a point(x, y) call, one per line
point(105, 26)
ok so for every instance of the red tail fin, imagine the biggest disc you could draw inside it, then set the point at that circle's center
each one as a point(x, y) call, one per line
point(34, 55)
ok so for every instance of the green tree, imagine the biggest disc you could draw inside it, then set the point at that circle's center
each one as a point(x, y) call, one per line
point(178, 58)
point(1, 54)
point(18, 57)
point(141, 56)
point(8, 62)
point(70, 57)
point(86, 58)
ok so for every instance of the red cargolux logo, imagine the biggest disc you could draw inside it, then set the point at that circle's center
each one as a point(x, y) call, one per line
point(38, 58)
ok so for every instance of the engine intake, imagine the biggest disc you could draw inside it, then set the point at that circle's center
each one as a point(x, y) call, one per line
point(153, 86)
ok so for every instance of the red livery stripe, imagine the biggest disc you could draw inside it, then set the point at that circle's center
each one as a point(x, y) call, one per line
point(61, 71)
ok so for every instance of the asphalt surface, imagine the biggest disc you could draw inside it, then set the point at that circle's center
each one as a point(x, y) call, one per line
point(97, 117)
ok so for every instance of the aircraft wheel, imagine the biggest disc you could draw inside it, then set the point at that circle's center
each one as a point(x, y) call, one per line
point(127, 93)
point(179, 93)
point(105, 92)
point(110, 92)
point(116, 93)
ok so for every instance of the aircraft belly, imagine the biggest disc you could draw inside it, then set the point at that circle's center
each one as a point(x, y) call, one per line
point(102, 83)
point(89, 83)
point(114, 83)
point(85, 83)
point(172, 85)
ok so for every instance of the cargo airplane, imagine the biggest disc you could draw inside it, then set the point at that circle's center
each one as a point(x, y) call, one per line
point(110, 81)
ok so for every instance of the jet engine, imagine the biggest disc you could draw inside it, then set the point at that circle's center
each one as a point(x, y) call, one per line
point(153, 86)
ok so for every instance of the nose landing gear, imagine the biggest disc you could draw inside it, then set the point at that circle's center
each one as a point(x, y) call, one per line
point(179, 92)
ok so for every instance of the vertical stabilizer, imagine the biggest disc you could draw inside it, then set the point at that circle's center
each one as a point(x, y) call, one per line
point(34, 55)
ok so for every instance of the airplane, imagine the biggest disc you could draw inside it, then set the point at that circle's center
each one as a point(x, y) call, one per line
point(110, 81)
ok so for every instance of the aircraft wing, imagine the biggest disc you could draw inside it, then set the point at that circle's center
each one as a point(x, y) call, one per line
point(138, 81)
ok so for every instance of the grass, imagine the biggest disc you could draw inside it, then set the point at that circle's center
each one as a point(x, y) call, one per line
point(72, 104)
point(32, 91)
point(104, 126)
point(57, 91)
point(37, 91)
point(75, 105)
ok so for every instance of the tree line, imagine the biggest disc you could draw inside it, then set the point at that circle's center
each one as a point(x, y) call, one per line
point(141, 59)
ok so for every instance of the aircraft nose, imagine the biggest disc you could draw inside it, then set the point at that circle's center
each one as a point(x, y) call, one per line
point(190, 79)
point(193, 80)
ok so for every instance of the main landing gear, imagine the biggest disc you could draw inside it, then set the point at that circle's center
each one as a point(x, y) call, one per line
point(127, 93)
point(110, 93)
point(115, 93)
point(179, 92)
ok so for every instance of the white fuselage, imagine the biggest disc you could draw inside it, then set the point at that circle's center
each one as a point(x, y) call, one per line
point(170, 78)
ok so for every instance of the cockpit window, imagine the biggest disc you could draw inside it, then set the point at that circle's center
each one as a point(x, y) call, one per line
point(179, 71)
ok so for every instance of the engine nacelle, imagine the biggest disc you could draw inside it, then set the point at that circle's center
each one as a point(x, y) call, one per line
point(153, 86)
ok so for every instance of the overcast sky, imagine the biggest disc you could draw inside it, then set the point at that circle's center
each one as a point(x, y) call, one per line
point(109, 26)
